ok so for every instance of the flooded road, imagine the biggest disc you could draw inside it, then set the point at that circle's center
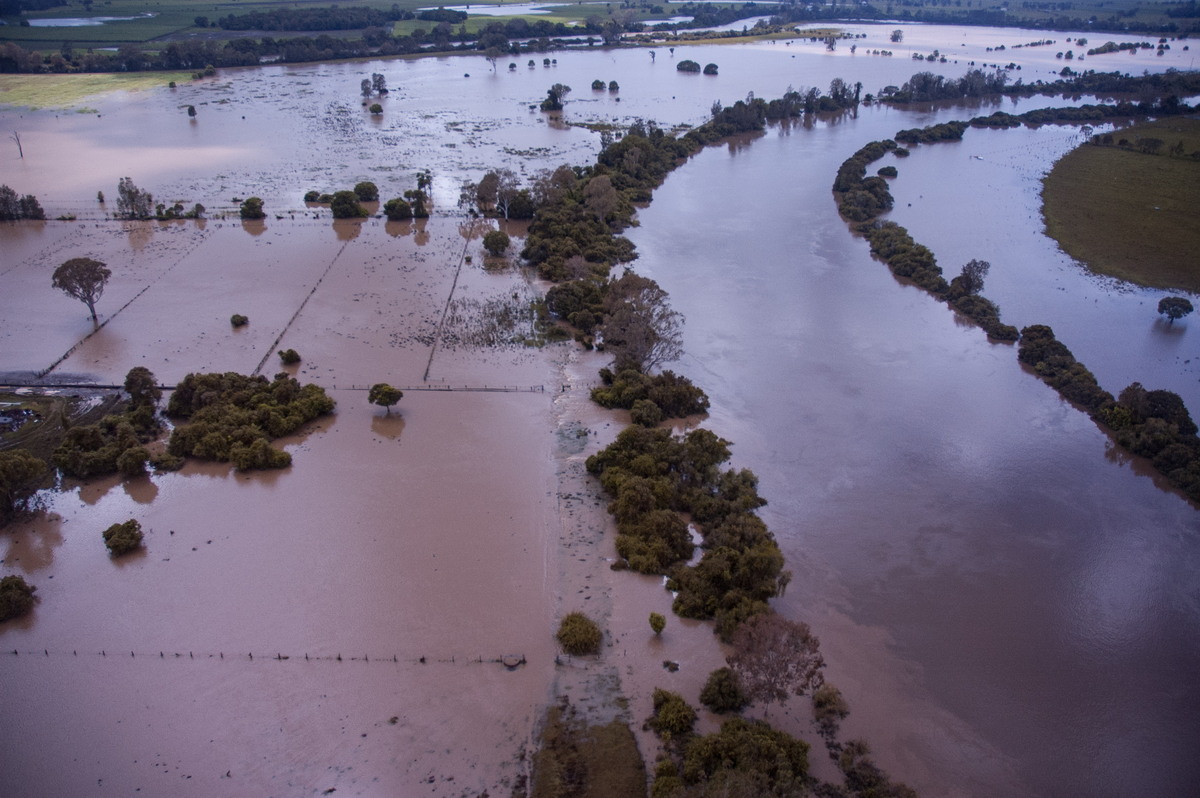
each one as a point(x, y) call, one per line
point(1009, 605)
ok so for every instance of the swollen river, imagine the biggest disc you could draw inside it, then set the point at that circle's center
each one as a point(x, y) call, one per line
point(1010, 604)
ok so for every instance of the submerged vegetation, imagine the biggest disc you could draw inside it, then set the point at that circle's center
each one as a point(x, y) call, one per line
point(233, 418)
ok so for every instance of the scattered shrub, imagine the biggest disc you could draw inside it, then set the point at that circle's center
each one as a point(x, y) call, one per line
point(723, 692)
point(397, 210)
point(238, 320)
point(289, 357)
point(366, 191)
point(496, 242)
point(579, 635)
point(345, 205)
point(673, 716)
point(252, 208)
point(16, 597)
point(123, 538)
point(657, 623)
point(687, 65)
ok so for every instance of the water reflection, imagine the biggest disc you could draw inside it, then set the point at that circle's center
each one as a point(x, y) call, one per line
point(254, 227)
point(421, 237)
point(140, 234)
point(389, 427)
point(142, 490)
point(90, 493)
point(347, 229)
point(33, 546)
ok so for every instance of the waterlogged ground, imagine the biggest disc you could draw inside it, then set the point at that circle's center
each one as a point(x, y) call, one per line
point(1007, 603)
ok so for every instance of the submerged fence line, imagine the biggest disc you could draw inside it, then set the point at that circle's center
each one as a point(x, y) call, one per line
point(509, 661)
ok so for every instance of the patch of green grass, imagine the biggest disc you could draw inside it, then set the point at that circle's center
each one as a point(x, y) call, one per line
point(64, 91)
point(1129, 214)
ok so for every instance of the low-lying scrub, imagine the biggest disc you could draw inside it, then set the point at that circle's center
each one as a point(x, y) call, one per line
point(233, 418)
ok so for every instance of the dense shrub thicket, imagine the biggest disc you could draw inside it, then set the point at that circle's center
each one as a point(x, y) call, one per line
point(123, 538)
point(654, 478)
point(16, 597)
point(674, 396)
point(233, 418)
point(579, 635)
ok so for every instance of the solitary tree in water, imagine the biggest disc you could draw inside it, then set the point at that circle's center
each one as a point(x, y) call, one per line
point(1174, 307)
point(84, 279)
point(384, 395)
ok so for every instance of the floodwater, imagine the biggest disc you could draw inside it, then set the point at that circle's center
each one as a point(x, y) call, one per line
point(1009, 604)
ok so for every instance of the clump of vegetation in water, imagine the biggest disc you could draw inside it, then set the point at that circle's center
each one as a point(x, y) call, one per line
point(115, 444)
point(233, 418)
point(579, 635)
point(238, 320)
point(289, 357)
point(16, 597)
point(123, 538)
point(20, 475)
point(673, 395)
point(723, 693)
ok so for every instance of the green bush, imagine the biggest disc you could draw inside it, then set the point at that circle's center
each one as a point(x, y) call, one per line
point(312, 196)
point(123, 538)
point(673, 717)
point(344, 205)
point(20, 475)
point(289, 356)
point(687, 65)
point(646, 413)
point(366, 191)
point(376, 109)
point(16, 597)
point(579, 635)
point(228, 414)
point(723, 692)
point(252, 208)
point(657, 622)
point(238, 320)
point(496, 242)
point(764, 760)
point(397, 210)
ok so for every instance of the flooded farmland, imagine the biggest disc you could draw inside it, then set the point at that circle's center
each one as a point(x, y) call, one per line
point(1008, 603)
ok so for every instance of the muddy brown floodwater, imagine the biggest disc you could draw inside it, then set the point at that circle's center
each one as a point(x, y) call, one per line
point(1009, 604)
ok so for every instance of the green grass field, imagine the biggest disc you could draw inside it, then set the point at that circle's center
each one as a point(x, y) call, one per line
point(1129, 214)
point(66, 91)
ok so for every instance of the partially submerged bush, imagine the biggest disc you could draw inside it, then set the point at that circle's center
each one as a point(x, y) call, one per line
point(16, 597)
point(289, 357)
point(723, 692)
point(238, 320)
point(673, 716)
point(579, 635)
point(123, 538)
point(233, 418)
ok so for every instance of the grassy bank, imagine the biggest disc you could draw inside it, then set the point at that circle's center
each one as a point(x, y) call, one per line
point(65, 91)
point(1129, 213)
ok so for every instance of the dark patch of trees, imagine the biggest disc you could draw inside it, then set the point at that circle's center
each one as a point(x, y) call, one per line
point(16, 597)
point(14, 208)
point(20, 475)
point(117, 443)
point(654, 478)
point(233, 418)
point(123, 538)
point(579, 635)
point(312, 19)
point(674, 396)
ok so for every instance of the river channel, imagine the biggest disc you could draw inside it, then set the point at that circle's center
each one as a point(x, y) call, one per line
point(1011, 606)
